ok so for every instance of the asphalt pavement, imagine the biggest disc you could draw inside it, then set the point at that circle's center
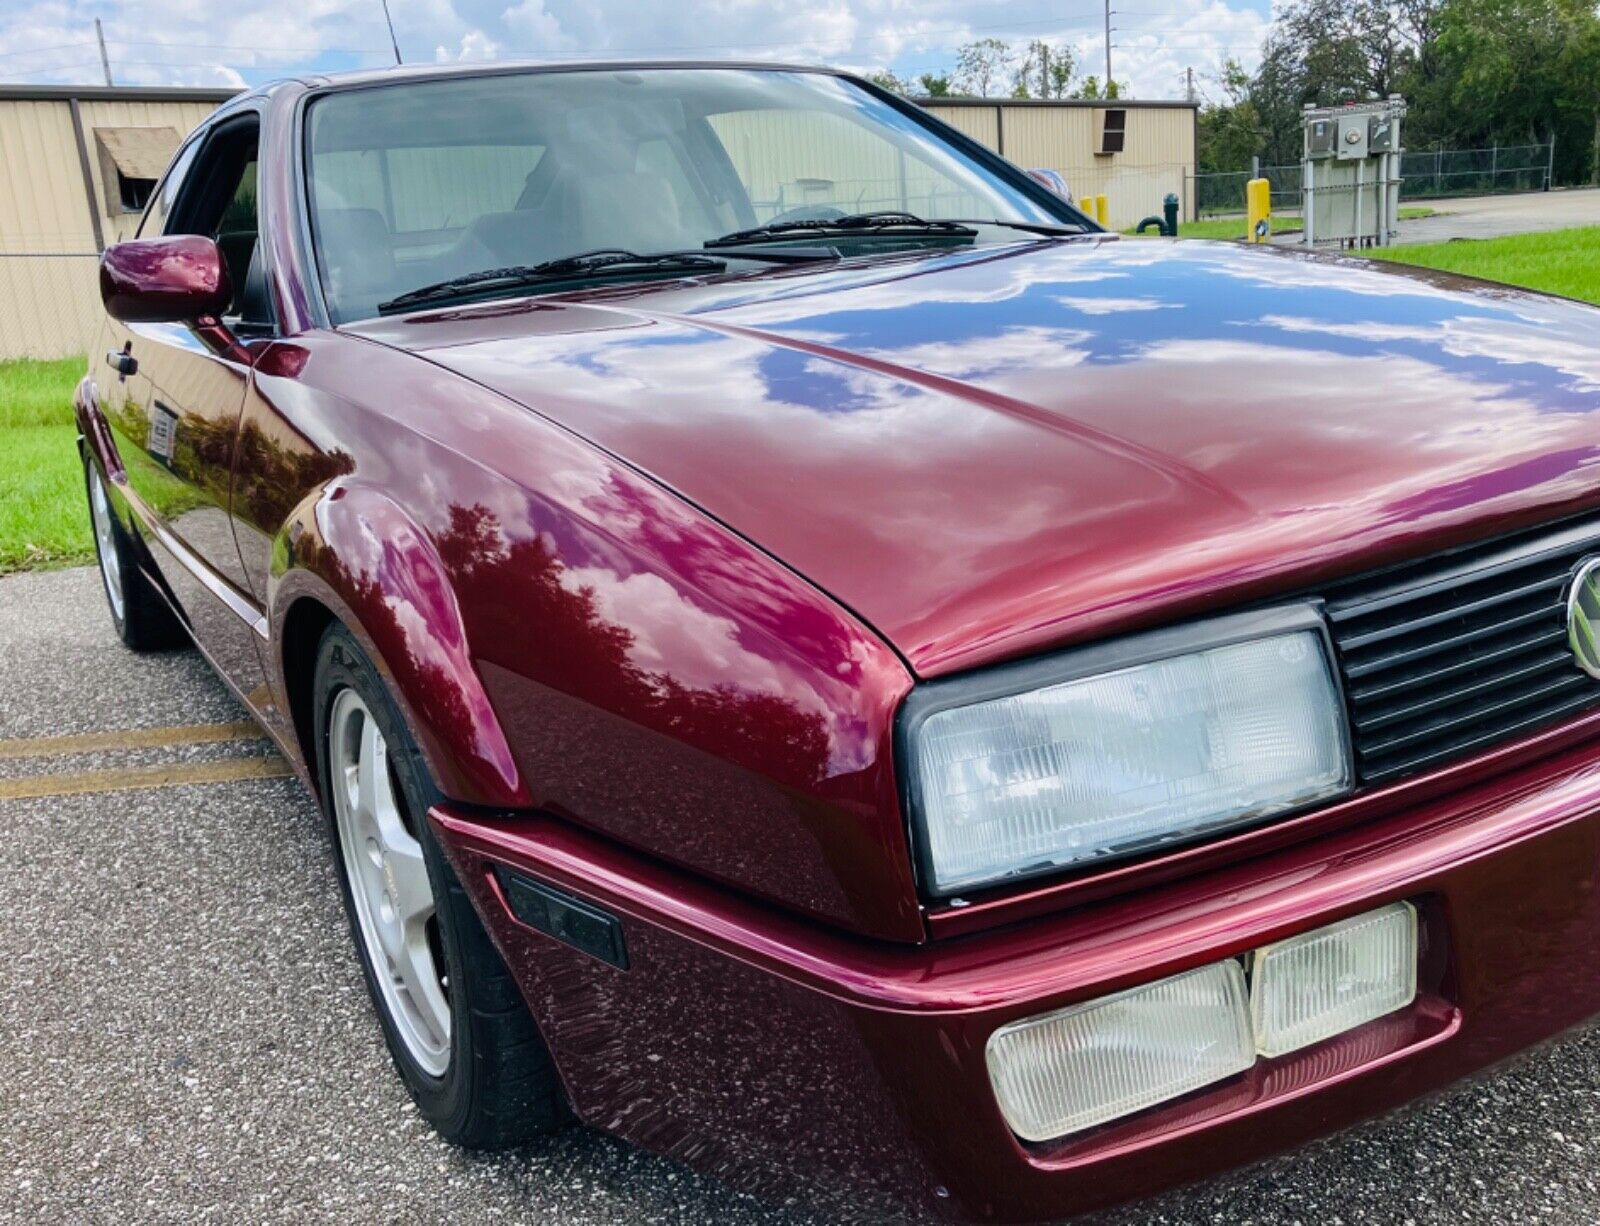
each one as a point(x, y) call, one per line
point(1497, 216)
point(184, 1035)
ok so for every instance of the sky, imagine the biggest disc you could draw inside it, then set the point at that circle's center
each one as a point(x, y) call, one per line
point(246, 42)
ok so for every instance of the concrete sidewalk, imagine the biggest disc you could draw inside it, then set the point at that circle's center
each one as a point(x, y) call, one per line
point(187, 1037)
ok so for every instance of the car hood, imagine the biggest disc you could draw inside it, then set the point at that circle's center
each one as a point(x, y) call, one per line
point(992, 452)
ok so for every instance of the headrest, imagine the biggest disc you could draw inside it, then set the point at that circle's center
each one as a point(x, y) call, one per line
point(357, 257)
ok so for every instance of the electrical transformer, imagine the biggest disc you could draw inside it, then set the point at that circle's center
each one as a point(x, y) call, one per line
point(1351, 177)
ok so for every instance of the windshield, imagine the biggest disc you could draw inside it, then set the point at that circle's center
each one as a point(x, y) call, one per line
point(421, 182)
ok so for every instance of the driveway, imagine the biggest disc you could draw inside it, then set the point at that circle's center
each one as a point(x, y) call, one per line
point(186, 1037)
point(1494, 216)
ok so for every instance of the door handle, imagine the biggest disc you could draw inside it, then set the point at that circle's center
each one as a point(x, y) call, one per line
point(124, 363)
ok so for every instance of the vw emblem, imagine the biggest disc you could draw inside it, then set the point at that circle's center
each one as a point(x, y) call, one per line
point(1583, 617)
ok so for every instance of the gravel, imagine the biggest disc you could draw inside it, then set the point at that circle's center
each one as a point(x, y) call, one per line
point(186, 1036)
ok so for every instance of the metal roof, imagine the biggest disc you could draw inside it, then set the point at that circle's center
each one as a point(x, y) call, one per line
point(1120, 103)
point(113, 93)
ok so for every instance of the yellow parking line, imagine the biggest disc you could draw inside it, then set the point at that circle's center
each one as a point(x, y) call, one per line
point(129, 738)
point(226, 770)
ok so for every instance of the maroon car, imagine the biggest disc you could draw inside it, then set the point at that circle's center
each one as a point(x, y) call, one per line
point(820, 661)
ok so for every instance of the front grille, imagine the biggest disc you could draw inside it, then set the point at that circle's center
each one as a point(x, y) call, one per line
point(1449, 656)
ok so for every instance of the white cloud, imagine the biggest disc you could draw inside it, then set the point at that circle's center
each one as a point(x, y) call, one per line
point(532, 26)
point(254, 40)
point(475, 45)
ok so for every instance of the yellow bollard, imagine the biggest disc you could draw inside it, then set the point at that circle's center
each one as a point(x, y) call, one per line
point(1258, 210)
point(1101, 212)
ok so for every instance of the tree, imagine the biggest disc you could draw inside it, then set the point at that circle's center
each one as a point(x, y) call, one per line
point(983, 65)
point(1061, 69)
point(1473, 72)
point(884, 78)
point(1325, 52)
point(1230, 130)
point(935, 85)
point(1525, 71)
point(1090, 89)
point(1045, 71)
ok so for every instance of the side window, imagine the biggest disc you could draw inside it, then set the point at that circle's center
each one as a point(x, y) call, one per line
point(155, 216)
point(218, 200)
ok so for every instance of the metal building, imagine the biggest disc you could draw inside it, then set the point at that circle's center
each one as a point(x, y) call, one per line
point(1131, 152)
point(76, 165)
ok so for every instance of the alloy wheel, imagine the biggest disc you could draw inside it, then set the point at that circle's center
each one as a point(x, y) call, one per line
point(389, 883)
point(105, 540)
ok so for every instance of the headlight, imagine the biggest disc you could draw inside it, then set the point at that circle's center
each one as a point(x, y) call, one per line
point(1116, 749)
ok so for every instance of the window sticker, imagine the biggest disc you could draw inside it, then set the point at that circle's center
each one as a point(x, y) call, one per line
point(163, 434)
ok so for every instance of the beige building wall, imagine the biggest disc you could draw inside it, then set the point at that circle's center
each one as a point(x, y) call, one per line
point(982, 123)
point(1158, 155)
point(49, 252)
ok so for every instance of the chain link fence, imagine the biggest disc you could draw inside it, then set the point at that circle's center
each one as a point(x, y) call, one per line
point(1427, 174)
point(1430, 173)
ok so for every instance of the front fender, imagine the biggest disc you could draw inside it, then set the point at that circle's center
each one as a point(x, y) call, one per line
point(351, 548)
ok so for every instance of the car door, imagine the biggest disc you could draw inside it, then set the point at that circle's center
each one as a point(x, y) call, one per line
point(178, 405)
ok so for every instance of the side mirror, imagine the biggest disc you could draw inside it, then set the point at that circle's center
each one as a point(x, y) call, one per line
point(174, 279)
point(1054, 180)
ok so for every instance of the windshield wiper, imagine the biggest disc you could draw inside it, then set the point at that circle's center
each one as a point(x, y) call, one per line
point(583, 264)
point(884, 222)
point(605, 261)
point(1034, 227)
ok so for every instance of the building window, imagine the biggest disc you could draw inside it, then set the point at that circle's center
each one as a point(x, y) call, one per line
point(134, 194)
point(131, 161)
point(1111, 125)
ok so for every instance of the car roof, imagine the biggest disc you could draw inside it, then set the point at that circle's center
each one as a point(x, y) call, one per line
point(363, 77)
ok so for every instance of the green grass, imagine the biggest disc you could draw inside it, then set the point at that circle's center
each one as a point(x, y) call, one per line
point(1557, 261)
point(1287, 223)
point(34, 393)
point(44, 520)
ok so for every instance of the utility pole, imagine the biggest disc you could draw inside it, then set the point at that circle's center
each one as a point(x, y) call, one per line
point(1189, 84)
point(105, 60)
point(393, 41)
point(1108, 46)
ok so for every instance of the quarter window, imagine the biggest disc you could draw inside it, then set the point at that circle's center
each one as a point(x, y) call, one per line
point(161, 201)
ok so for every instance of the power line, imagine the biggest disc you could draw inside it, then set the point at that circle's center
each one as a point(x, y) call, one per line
point(266, 57)
point(276, 47)
point(916, 35)
point(86, 42)
point(901, 35)
point(44, 72)
point(911, 35)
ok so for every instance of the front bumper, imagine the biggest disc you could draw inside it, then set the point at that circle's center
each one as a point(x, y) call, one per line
point(769, 1051)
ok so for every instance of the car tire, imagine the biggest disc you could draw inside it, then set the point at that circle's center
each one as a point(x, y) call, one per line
point(470, 1054)
point(143, 619)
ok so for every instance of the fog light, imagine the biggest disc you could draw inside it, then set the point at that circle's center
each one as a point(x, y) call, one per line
point(1065, 1071)
point(1315, 986)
